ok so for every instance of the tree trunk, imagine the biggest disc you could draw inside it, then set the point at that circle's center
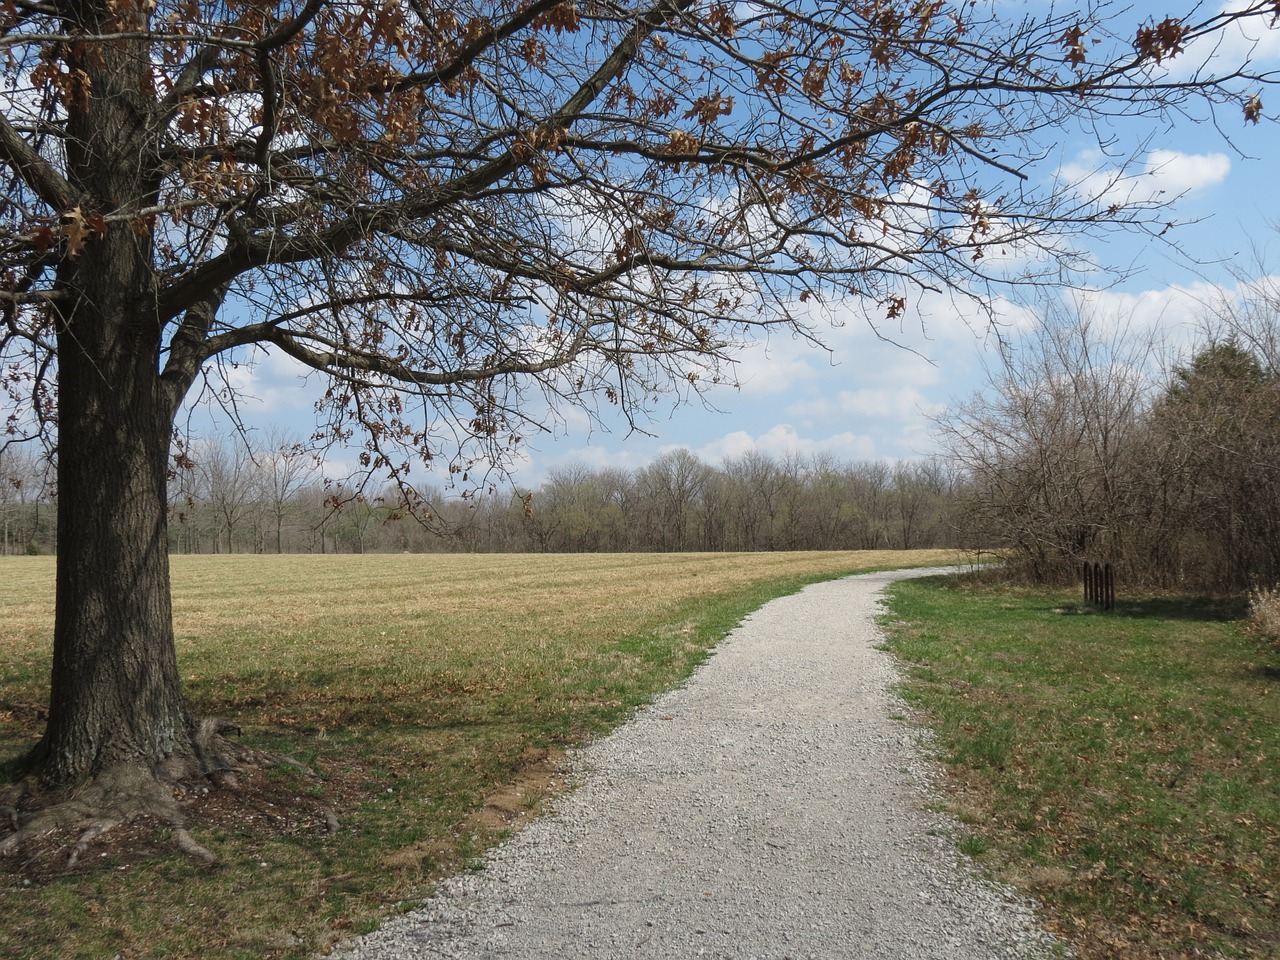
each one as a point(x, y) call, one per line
point(115, 688)
point(115, 697)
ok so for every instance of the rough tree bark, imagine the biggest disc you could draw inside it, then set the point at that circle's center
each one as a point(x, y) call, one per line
point(119, 731)
point(115, 694)
point(115, 689)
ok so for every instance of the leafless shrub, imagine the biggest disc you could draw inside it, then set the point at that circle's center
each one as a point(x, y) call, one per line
point(1264, 614)
point(1088, 445)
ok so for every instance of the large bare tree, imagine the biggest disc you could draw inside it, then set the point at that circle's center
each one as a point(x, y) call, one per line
point(468, 214)
point(1049, 447)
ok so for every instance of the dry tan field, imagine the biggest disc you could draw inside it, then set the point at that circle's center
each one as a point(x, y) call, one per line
point(429, 695)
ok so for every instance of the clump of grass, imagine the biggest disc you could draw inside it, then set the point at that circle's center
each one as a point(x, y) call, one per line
point(412, 684)
point(1124, 768)
point(973, 845)
point(1264, 614)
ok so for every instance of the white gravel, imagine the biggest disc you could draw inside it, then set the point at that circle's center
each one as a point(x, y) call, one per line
point(773, 807)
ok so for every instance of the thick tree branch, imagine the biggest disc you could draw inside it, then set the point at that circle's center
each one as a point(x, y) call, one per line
point(289, 30)
point(336, 358)
point(188, 350)
point(35, 171)
point(473, 50)
point(205, 59)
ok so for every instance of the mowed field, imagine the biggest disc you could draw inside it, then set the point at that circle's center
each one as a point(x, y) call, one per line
point(429, 696)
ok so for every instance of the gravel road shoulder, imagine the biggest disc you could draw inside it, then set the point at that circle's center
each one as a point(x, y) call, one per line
point(772, 807)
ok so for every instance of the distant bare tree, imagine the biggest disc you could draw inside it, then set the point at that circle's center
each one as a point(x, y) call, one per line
point(284, 466)
point(871, 483)
point(24, 484)
point(755, 482)
point(824, 515)
point(227, 482)
point(669, 489)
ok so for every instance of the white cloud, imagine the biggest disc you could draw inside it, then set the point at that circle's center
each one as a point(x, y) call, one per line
point(887, 403)
point(1167, 309)
point(533, 468)
point(1253, 40)
point(938, 326)
point(1179, 173)
point(1165, 175)
point(271, 382)
point(727, 447)
point(774, 366)
point(782, 440)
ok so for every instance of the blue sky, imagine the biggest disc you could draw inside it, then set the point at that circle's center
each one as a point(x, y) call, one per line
point(868, 398)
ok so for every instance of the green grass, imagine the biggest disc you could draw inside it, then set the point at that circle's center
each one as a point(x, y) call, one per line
point(1122, 767)
point(413, 685)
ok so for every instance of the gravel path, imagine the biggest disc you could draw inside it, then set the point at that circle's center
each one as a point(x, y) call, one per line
point(770, 808)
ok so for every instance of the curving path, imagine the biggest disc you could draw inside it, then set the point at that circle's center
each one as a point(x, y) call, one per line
point(773, 807)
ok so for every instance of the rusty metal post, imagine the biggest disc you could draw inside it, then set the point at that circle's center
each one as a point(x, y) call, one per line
point(1099, 585)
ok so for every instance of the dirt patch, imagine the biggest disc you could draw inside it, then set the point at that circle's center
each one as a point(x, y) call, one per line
point(541, 775)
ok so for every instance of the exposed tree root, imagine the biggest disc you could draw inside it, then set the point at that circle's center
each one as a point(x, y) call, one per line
point(95, 829)
point(331, 822)
point(192, 849)
point(127, 792)
point(117, 795)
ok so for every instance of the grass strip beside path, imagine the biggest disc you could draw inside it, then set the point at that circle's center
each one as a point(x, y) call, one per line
point(418, 686)
point(1122, 767)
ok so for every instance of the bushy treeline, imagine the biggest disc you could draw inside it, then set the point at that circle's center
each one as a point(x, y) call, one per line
point(750, 502)
point(233, 497)
point(1087, 447)
point(239, 500)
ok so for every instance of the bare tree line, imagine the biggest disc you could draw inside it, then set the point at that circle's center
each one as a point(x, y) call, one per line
point(749, 502)
point(1090, 445)
point(275, 501)
point(234, 496)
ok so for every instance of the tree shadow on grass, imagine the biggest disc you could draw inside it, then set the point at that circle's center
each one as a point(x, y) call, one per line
point(1191, 609)
point(1195, 609)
